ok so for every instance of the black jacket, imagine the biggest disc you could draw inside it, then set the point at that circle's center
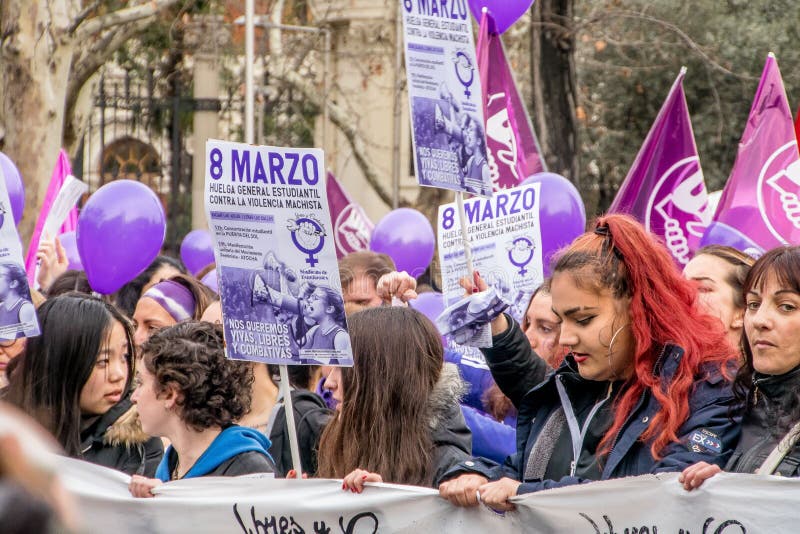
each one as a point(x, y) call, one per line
point(116, 440)
point(766, 422)
point(709, 433)
point(452, 439)
point(311, 416)
point(515, 367)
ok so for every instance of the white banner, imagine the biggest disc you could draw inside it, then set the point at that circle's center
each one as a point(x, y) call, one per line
point(726, 504)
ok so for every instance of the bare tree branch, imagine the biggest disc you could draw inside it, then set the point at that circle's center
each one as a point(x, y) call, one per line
point(89, 60)
point(83, 15)
point(683, 36)
point(91, 27)
point(342, 120)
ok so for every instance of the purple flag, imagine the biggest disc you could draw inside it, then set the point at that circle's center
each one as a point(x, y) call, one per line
point(759, 208)
point(512, 148)
point(351, 226)
point(665, 189)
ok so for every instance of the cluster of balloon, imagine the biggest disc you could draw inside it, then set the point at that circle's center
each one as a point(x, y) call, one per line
point(407, 237)
point(562, 215)
point(504, 12)
point(197, 250)
point(70, 243)
point(16, 190)
point(121, 230)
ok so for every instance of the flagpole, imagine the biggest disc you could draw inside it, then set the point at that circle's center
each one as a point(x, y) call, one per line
point(462, 218)
point(249, 52)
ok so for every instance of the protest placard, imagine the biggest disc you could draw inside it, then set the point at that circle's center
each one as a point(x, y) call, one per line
point(505, 238)
point(17, 314)
point(275, 254)
point(445, 98)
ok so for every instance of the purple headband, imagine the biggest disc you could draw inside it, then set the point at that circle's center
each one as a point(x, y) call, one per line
point(173, 297)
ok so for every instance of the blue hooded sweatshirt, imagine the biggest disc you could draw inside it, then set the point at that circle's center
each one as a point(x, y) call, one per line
point(231, 442)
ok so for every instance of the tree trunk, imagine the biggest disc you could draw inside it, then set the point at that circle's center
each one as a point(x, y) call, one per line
point(36, 60)
point(554, 87)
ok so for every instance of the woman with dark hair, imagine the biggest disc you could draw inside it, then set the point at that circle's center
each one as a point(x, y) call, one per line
point(70, 281)
point(720, 272)
point(644, 381)
point(393, 404)
point(75, 379)
point(162, 268)
point(179, 298)
point(15, 300)
point(768, 383)
point(189, 393)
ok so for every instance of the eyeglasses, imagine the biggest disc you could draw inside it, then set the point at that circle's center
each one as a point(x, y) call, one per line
point(8, 343)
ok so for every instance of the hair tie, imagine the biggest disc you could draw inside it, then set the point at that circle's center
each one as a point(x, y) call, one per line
point(175, 298)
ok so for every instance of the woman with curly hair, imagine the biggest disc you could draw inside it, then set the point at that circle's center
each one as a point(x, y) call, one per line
point(644, 388)
point(189, 393)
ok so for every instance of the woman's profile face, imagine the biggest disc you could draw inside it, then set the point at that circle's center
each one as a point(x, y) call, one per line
point(772, 325)
point(595, 327)
point(716, 295)
point(542, 325)
point(153, 412)
point(106, 384)
point(333, 383)
point(149, 316)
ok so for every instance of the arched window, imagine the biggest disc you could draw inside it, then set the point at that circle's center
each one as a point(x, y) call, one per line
point(131, 159)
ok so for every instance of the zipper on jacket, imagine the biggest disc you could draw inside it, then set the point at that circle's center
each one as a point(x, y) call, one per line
point(577, 433)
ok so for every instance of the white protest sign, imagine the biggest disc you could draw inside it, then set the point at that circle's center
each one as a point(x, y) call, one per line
point(71, 191)
point(506, 242)
point(725, 504)
point(17, 314)
point(275, 253)
point(444, 93)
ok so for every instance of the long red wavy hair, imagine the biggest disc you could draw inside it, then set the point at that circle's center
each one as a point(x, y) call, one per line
point(621, 256)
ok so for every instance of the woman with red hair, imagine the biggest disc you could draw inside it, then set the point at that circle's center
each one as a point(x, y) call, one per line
point(645, 387)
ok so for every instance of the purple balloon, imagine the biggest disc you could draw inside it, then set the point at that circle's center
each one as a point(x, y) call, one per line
point(16, 189)
point(210, 280)
point(70, 243)
point(197, 250)
point(121, 229)
point(504, 12)
point(405, 235)
point(430, 304)
point(562, 215)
